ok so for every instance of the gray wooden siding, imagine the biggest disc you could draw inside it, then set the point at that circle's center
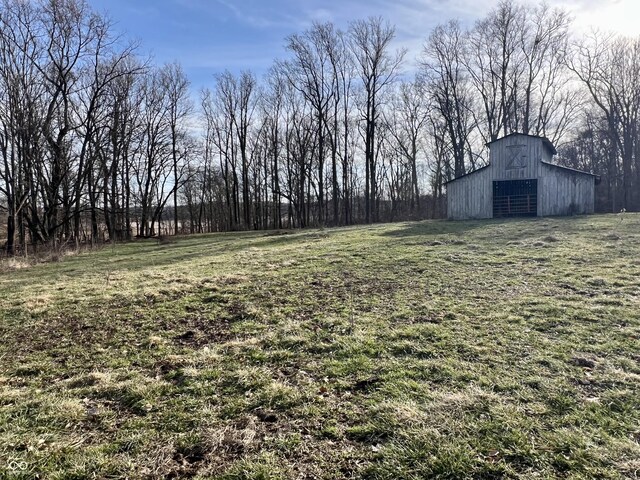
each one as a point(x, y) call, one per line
point(563, 192)
point(518, 157)
point(471, 196)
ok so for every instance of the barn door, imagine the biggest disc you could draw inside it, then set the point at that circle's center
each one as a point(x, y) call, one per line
point(515, 198)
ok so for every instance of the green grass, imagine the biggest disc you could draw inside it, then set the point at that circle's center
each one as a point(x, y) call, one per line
point(498, 349)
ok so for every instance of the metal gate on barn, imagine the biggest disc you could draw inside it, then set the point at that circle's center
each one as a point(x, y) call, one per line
point(515, 198)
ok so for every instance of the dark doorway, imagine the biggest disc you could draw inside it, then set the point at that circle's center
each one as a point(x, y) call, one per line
point(515, 198)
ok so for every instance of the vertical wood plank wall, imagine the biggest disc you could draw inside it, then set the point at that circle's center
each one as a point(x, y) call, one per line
point(471, 196)
point(518, 157)
point(565, 193)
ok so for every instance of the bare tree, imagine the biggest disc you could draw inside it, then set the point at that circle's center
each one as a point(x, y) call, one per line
point(545, 96)
point(378, 67)
point(495, 67)
point(180, 106)
point(153, 168)
point(609, 67)
point(273, 106)
point(407, 123)
point(312, 72)
point(448, 85)
point(22, 89)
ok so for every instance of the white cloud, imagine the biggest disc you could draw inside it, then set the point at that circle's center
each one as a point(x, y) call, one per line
point(620, 16)
point(271, 21)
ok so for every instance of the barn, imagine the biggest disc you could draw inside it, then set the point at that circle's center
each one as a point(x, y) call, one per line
point(521, 181)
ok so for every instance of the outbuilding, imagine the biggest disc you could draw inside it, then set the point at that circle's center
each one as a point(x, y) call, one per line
point(521, 181)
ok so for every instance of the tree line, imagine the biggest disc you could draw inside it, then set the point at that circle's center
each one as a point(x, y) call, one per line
point(99, 143)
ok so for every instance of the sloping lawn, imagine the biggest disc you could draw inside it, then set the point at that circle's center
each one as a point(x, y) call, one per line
point(498, 349)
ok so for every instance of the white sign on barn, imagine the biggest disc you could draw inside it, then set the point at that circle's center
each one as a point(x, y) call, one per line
point(521, 181)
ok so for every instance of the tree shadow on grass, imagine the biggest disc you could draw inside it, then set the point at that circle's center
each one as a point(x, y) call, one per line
point(430, 228)
point(427, 228)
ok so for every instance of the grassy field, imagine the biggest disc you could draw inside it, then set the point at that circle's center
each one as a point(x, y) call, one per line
point(498, 349)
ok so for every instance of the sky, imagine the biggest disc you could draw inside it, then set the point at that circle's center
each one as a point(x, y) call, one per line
point(210, 36)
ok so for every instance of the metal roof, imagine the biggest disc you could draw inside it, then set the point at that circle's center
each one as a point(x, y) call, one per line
point(574, 170)
point(467, 174)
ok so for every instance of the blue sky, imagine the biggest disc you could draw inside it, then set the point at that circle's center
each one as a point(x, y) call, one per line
point(209, 36)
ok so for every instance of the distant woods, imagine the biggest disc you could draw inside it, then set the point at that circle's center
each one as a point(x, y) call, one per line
point(98, 143)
